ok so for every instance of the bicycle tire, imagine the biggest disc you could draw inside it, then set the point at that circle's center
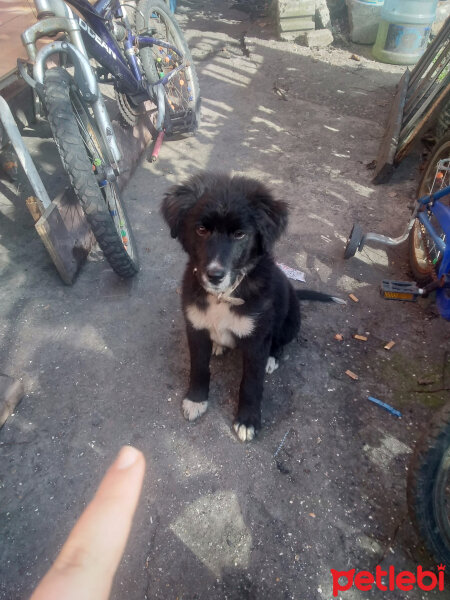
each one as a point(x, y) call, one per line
point(429, 483)
point(443, 122)
point(420, 245)
point(100, 201)
point(183, 91)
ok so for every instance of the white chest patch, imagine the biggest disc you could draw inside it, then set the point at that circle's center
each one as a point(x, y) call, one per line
point(220, 321)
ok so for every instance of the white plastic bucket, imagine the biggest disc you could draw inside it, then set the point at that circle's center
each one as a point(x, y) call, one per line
point(364, 18)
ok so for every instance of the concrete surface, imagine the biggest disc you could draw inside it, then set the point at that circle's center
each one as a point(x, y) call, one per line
point(105, 362)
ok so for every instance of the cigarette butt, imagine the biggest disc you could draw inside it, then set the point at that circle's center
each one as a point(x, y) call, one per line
point(351, 374)
point(389, 345)
point(353, 297)
point(360, 337)
point(339, 337)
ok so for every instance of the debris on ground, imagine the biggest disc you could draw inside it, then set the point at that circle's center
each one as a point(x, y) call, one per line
point(387, 407)
point(339, 337)
point(279, 92)
point(352, 375)
point(389, 345)
point(362, 338)
point(292, 273)
point(317, 38)
point(353, 297)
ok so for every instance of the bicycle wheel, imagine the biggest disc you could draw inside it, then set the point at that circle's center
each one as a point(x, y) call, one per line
point(85, 160)
point(428, 487)
point(182, 91)
point(424, 256)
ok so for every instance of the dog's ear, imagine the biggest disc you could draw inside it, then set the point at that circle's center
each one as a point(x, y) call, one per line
point(271, 215)
point(176, 203)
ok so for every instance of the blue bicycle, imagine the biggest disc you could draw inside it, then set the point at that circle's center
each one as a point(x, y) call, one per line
point(428, 233)
point(139, 49)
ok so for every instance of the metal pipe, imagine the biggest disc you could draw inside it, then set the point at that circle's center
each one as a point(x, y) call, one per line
point(63, 20)
point(13, 132)
point(106, 129)
point(423, 218)
point(388, 241)
point(84, 75)
point(161, 104)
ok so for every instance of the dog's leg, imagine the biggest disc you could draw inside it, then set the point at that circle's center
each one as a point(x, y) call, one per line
point(217, 349)
point(248, 420)
point(196, 400)
point(272, 365)
point(289, 329)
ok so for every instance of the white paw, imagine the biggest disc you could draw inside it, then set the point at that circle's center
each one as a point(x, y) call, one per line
point(272, 365)
point(217, 349)
point(193, 410)
point(245, 434)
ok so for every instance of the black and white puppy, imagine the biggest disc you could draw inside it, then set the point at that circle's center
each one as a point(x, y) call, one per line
point(233, 294)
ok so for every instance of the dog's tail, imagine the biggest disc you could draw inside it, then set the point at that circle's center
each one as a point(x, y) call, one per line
point(313, 295)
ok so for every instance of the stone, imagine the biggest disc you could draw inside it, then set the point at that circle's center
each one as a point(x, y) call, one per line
point(363, 20)
point(294, 17)
point(318, 38)
point(301, 8)
point(322, 15)
point(299, 24)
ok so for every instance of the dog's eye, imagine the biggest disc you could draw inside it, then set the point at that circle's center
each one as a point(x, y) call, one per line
point(239, 234)
point(202, 231)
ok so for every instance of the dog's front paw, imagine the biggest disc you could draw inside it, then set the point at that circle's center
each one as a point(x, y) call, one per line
point(244, 432)
point(271, 365)
point(217, 349)
point(193, 410)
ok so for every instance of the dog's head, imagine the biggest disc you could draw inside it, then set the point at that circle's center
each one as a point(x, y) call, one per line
point(225, 224)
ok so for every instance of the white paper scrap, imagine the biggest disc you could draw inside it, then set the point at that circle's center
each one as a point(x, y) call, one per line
point(291, 273)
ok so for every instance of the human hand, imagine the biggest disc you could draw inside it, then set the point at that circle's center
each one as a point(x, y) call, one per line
point(85, 567)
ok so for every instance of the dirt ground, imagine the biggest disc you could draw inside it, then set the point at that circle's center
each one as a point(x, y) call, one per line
point(105, 362)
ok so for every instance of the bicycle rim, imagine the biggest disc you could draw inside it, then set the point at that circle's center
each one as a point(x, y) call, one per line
point(180, 89)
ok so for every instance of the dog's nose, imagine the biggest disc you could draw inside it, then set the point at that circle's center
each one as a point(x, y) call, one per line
point(215, 274)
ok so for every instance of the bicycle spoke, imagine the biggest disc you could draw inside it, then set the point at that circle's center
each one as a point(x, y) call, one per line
point(93, 147)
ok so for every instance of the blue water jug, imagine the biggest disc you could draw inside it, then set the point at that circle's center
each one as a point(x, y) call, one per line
point(404, 30)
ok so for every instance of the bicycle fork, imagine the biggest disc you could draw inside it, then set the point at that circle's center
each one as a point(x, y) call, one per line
point(62, 19)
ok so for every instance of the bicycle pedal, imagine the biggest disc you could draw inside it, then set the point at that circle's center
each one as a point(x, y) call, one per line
point(182, 123)
point(400, 290)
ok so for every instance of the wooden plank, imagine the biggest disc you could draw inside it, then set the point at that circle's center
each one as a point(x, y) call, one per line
point(411, 123)
point(428, 82)
point(430, 53)
point(66, 235)
point(388, 146)
point(406, 144)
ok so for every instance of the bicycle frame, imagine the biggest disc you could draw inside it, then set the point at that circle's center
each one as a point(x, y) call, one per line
point(442, 214)
point(91, 38)
point(102, 46)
